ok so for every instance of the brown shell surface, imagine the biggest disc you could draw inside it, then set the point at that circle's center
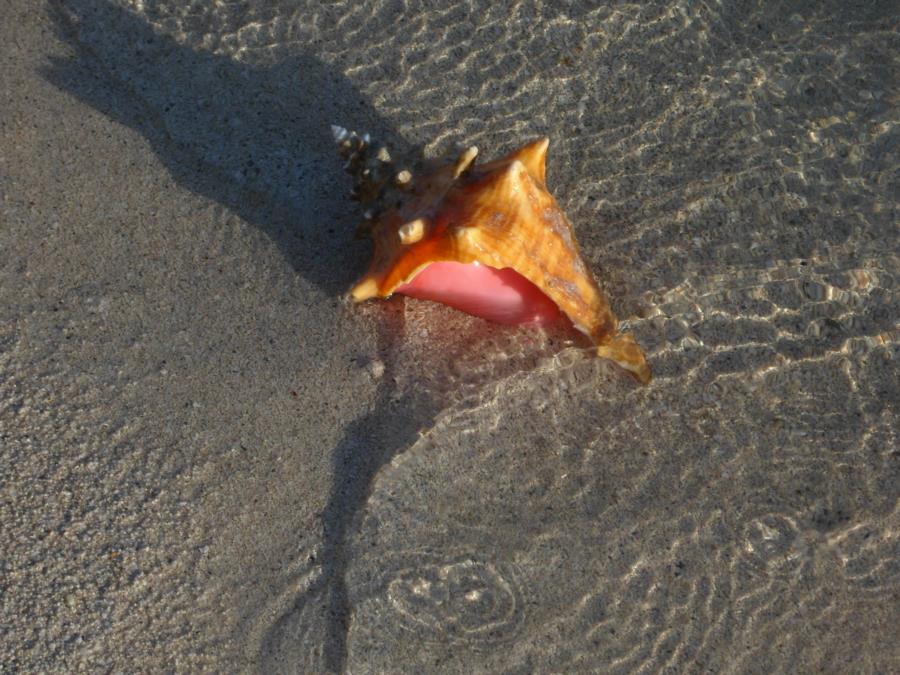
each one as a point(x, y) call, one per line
point(498, 214)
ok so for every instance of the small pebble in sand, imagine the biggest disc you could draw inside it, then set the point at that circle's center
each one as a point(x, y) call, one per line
point(375, 368)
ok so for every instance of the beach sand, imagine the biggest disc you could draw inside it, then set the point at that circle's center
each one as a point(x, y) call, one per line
point(210, 460)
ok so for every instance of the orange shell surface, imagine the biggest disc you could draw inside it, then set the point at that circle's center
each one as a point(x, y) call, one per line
point(498, 214)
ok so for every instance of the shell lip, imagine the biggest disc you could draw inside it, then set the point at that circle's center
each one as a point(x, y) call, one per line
point(533, 295)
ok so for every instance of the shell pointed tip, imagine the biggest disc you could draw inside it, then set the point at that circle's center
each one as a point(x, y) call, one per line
point(534, 157)
point(623, 350)
point(465, 161)
point(368, 288)
point(413, 231)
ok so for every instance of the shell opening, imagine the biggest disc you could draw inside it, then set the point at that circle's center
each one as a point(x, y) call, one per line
point(499, 295)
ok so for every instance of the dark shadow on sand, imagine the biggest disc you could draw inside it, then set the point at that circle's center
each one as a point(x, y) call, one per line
point(256, 140)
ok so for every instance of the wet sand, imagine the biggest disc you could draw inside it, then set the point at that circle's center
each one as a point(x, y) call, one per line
point(210, 460)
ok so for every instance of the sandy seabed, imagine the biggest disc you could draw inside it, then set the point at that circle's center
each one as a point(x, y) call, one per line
point(211, 461)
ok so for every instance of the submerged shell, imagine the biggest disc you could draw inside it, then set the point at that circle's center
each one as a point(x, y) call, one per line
point(498, 214)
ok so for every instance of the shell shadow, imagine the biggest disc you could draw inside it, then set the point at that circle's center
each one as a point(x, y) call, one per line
point(368, 444)
point(256, 140)
point(252, 137)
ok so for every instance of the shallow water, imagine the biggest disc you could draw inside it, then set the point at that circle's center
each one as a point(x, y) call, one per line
point(504, 502)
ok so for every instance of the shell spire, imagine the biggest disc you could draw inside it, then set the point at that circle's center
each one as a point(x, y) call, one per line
point(488, 239)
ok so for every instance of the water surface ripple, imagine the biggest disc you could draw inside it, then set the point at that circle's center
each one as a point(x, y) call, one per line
point(732, 175)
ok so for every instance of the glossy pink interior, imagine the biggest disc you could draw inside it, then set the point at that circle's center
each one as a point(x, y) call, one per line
point(504, 296)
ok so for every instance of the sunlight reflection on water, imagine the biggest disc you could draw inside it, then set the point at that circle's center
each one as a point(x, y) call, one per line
point(731, 173)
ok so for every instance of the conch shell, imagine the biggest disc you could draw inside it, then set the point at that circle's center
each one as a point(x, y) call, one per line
point(487, 225)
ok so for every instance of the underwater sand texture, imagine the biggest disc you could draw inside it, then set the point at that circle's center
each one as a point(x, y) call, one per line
point(210, 461)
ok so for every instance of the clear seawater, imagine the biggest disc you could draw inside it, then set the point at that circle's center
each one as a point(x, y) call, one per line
point(505, 502)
